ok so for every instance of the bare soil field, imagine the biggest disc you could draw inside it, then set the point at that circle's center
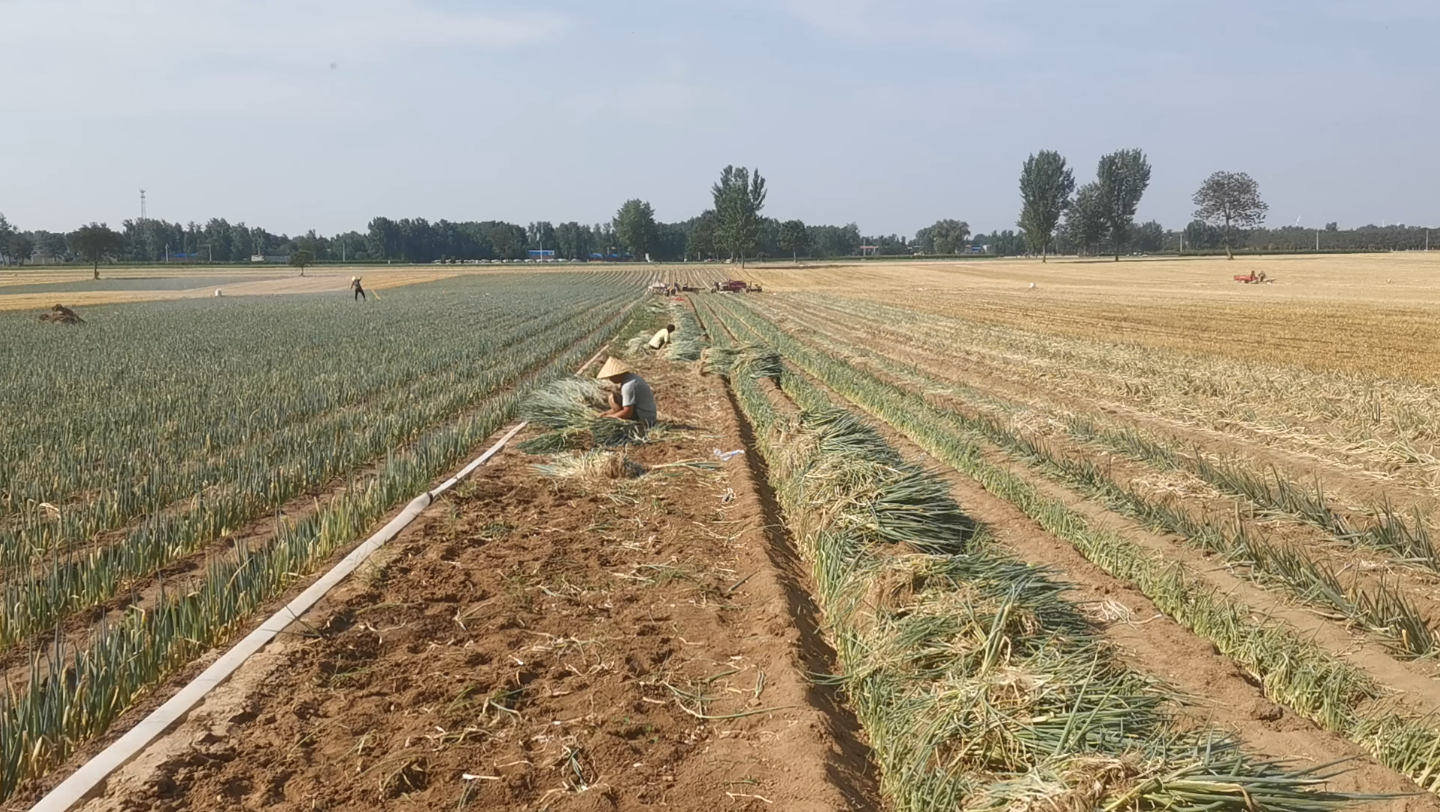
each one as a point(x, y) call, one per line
point(545, 642)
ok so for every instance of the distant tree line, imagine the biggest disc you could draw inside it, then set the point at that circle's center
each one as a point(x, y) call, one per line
point(1203, 237)
point(419, 240)
point(1056, 216)
point(734, 229)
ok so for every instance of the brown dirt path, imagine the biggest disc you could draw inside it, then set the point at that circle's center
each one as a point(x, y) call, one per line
point(558, 639)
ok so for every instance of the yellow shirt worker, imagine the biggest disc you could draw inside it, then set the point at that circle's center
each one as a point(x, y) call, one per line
point(661, 337)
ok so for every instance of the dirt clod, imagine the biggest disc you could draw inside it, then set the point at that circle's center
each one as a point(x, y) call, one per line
point(1266, 711)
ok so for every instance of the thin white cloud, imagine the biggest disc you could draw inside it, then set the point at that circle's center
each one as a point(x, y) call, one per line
point(664, 89)
point(957, 23)
point(171, 54)
point(1383, 11)
point(653, 98)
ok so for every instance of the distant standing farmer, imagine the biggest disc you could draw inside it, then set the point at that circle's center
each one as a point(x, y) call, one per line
point(662, 337)
point(636, 401)
point(359, 291)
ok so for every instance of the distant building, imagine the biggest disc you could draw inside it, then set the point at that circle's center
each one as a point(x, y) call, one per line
point(280, 258)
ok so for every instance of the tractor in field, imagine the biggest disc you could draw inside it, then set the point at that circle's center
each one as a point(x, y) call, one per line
point(1253, 278)
point(735, 286)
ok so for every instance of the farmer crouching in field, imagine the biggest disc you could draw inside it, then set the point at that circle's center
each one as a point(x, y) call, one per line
point(662, 337)
point(636, 401)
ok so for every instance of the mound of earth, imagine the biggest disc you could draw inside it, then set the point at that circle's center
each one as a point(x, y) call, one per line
point(60, 314)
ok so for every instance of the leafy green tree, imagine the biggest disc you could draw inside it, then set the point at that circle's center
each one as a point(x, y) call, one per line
point(834, 241)
point(944, 237)
point(794, 238)
point(1085, 219)
point(1004, 243)
point(21, 248)
point(574, 241)
point(1149, 237)
point(1045, 188)
point(739, 198)
point(635, 227)
point(1228, 200)
point(6, 232)
point(1201, 236)
point(541, 236)
point(1122, 178)
point(96, 242)
point(669, 244)
point(891, 245)
point(313, 243)
point(701, 241)
point(383, 239)
point(505, 241)
point(1009, 243)
point(50, 244)
point(301, 258)
point(417, 238)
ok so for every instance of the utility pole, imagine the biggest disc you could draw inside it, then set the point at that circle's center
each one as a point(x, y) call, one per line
point(1317, 240)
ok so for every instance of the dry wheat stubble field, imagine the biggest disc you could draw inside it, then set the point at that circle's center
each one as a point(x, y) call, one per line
point(1377, 314)
point(1256, 464)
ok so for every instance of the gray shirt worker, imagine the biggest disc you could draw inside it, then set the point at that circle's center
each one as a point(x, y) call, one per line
point(635, 392)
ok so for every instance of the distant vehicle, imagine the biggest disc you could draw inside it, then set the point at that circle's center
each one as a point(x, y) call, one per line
point(736, 286)
point(1254, 278)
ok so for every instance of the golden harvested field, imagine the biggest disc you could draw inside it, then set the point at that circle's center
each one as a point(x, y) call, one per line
point(1373, 314)
point(1248, 471)
point(39, 289)
point(264, 283)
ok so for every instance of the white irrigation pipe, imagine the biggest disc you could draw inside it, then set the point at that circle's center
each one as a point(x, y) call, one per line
point(93, 773)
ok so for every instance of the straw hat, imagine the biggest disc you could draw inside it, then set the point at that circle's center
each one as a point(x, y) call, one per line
point(613, 367)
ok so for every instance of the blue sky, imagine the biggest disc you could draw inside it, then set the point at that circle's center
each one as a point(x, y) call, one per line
point(889, 114)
